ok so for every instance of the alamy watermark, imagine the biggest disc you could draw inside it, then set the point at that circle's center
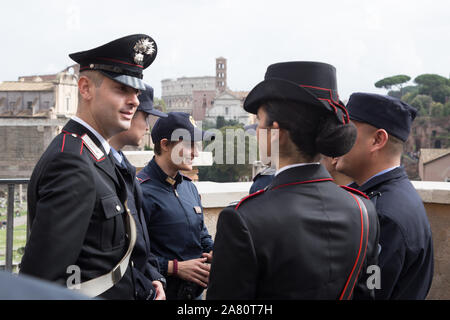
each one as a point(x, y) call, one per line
point(230, 146)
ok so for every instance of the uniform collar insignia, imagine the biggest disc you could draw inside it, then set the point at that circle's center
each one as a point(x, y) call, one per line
point(93, 148)
point(170, 180)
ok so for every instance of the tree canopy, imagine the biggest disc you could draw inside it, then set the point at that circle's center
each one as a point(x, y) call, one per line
point(396, 81)
point(434, 85)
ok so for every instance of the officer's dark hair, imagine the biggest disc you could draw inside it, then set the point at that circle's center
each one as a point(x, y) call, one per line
point(95, 76)
point(395, 145)
point(312, 129)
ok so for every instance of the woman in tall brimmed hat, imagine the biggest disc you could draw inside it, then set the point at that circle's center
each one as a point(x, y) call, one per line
point(302, 237)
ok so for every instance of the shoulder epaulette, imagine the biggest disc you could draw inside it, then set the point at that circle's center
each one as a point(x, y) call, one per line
point(67, 144)
point(142, 177)
point(250, 196)
point(355, 191)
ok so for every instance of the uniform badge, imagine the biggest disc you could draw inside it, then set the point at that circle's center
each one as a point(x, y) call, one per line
point(170, 180)
point(143, 46)
point(198, 209)
point(96, 151)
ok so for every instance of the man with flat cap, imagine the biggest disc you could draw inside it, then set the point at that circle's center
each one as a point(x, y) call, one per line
point(406, 256)
point(148, 281)
point(82, 232)
point(173, 209)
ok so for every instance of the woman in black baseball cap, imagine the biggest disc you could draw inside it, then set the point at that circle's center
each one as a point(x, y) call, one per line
point(302, 237)
point(173, 209)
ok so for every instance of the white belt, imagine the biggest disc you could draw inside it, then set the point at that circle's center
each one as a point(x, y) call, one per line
point(97, 286)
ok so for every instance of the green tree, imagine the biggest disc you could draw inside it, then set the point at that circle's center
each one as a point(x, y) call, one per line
point(394, 81)
point(220, 122)
point(229, 172)
point(437, 109)
point(447, 109)
point(409, 97)
point(434, 85)
point(423, 104)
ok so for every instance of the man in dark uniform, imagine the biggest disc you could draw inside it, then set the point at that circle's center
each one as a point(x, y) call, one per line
point(262, 179)
point(302, 237)
point(81, 228)
point(173, 209)
point(406, 257)
point(144, 265)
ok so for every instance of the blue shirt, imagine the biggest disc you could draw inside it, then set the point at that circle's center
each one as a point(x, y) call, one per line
point(174, 216)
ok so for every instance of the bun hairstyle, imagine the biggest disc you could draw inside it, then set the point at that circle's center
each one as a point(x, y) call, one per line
point(312, 129)
point(334, 139)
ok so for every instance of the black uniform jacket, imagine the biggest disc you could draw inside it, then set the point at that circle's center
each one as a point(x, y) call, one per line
point(298, 239)
point(406, 257)
point(77, 214)
point(144, 262)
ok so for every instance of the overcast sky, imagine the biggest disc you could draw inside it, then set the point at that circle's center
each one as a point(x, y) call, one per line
point(364, 40)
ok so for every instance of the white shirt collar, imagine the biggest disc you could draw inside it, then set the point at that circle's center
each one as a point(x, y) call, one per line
point(102, 140)
point(295, 165)
point(117, 155)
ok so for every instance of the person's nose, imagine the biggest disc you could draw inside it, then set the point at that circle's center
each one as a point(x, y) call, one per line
point(133, 100)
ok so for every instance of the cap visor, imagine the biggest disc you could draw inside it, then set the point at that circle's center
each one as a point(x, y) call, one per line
point(129, 81)
point(158, 113)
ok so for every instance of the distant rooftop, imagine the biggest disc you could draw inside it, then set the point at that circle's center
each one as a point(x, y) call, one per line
point(429, 155)
point(26, 86)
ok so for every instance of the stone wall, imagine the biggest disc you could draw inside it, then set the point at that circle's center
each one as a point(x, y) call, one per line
point(22, 141)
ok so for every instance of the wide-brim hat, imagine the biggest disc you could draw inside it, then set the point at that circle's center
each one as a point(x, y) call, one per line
point(146, 103)
point(312, 83)
point(122, 60)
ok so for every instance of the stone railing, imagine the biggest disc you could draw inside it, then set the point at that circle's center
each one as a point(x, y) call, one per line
point(435, 195)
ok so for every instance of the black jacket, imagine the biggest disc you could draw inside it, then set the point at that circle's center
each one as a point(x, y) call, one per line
point(406, 257)
point(144, 263)
point(77, 213)
point(298, 239)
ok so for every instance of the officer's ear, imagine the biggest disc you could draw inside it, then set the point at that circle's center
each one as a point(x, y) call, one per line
point(380, 138)
point(165, 144)
point(85, 88)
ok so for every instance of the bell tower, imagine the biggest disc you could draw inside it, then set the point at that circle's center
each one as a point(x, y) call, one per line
point(221, 74)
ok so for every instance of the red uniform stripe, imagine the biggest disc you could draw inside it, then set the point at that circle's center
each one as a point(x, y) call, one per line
point(359, 251)
point(362, 194)
point(249, 196)
point(64, 140)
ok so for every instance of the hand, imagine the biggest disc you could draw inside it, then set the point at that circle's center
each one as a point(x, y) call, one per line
point(195, 270)
point(208, 256)
point(160, 294)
